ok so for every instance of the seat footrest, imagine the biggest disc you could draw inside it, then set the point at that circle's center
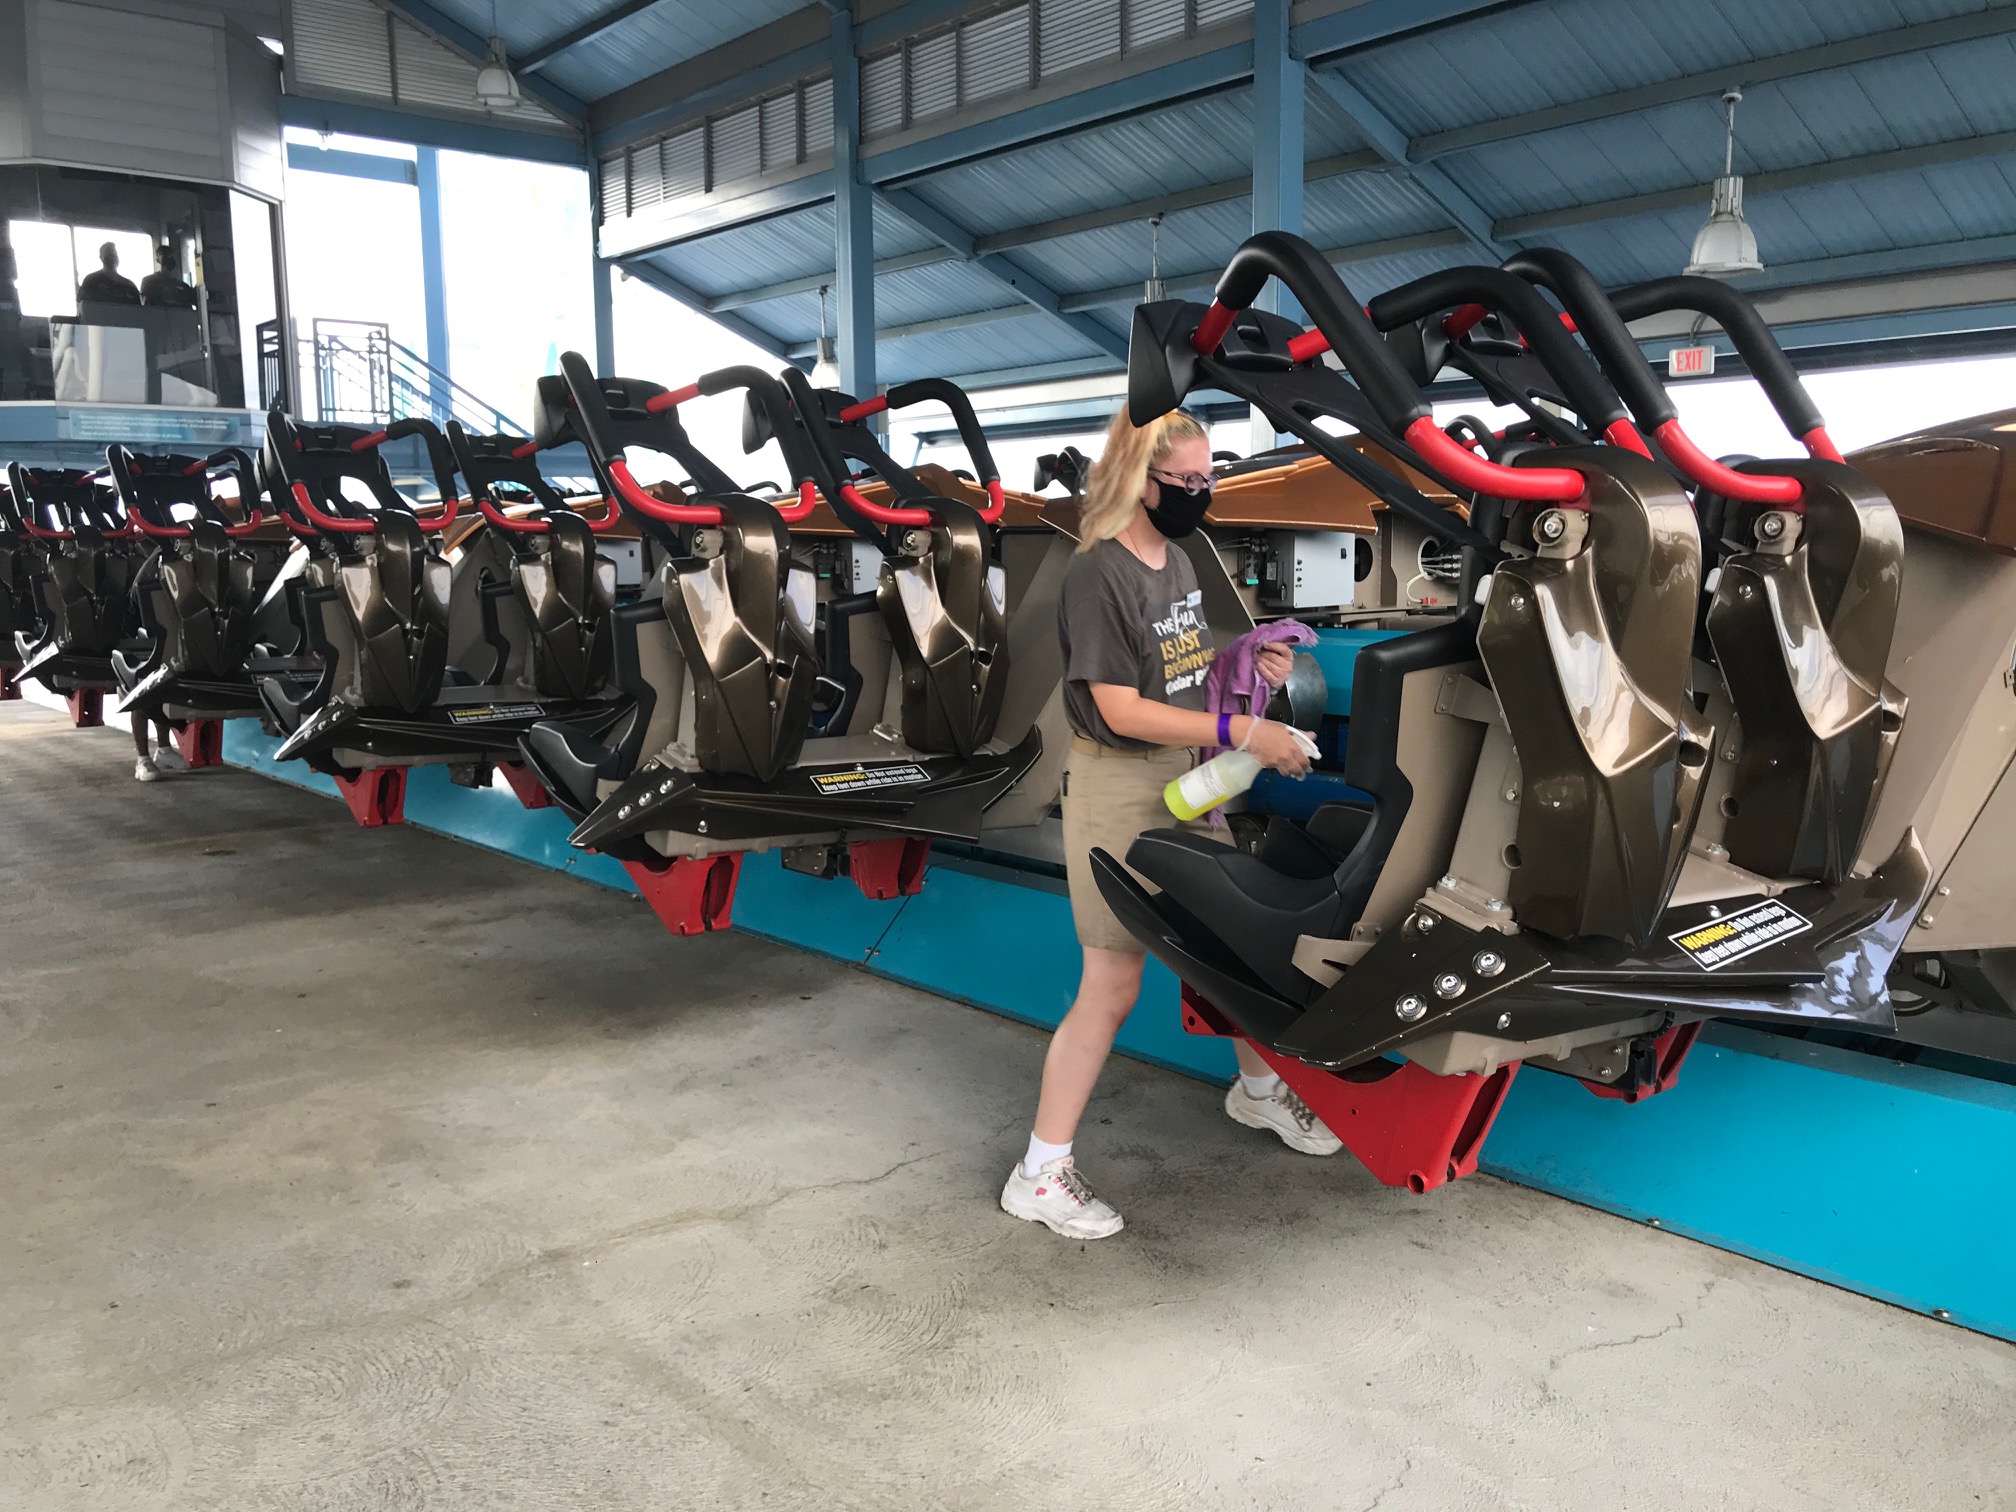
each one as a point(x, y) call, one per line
point(892, 868)
point(376, 795)
point(1407, 1126)
point(1659, 1073)
point(690, 895)
point(201, 742)
point(530, 790)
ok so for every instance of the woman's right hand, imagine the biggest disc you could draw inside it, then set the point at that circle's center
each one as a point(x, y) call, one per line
point(1277, 748)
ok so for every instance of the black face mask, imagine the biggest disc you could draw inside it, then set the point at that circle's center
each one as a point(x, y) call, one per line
point(1177, 513)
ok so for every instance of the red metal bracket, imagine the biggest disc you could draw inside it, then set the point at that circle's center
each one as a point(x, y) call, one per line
point(201, 742)
point(892, 868)
point(1407, 1126)
point(1668, 1051)
point(530, 790)
point(87, 707)
point(690, 895)
point(10, 688)
point(376, 795)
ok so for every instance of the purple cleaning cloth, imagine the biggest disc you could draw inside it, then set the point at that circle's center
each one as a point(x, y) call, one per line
point(1234, 685)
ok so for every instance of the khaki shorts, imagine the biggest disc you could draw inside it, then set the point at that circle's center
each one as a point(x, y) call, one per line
point(1110, 796)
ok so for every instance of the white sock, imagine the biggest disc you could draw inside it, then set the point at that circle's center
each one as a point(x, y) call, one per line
point(1260, 1088)
point(1041, 1154)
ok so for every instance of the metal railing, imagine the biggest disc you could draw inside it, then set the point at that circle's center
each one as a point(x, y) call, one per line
point(352, 372)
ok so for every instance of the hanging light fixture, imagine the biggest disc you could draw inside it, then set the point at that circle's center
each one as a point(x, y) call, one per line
point(826, 369)
point(1725, 244)
point(1154, 289)
point(496, 89)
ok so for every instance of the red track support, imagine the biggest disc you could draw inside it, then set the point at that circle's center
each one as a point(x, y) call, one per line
point(1668, 1051)
point(530, 790)
point(10, 688)
point(201, 742)
point(87, 708)
point(376, 795)
point(891, 868)
point(1407, 1126)
point(691, 895)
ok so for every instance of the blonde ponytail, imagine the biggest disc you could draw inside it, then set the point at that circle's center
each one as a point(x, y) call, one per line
point(1120, 474)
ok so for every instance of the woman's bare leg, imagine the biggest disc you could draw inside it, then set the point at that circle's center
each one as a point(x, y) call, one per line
point(1107, 988)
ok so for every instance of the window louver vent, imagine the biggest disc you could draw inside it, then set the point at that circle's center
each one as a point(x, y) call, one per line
point(758, 137)
point(1014, 47)
point(357, 49)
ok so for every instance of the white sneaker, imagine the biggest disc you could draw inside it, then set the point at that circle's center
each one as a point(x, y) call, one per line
point(1059, 1198)
point(168, 761)
point(145, 771)
point(1285, 1114)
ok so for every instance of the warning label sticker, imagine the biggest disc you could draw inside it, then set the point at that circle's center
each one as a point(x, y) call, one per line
point(867, 779)
point(495, 713)
point(1719, 941)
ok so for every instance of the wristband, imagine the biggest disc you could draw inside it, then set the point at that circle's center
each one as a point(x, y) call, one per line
point(1225, 730)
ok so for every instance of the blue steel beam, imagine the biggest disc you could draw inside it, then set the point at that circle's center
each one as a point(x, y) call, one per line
point(1391, 142)
point(853, 217)
point(1002, 269)
point(1280, 83)
point(430, 131)
point(1378, 21)
point(459, 38)
point(594, 26)
point(433, 275)
point(303, 158)
point(695, 301)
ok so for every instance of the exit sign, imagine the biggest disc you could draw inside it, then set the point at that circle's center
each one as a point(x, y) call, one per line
point(1690, 362)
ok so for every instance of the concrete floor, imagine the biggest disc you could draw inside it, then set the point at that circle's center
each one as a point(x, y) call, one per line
point(359, 1169)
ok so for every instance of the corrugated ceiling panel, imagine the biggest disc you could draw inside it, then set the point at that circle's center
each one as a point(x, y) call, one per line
point(799, 245)
point(1529, 57)
point(1031, 339)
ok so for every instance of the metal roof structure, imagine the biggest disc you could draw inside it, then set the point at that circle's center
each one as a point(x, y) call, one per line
point(997, 162)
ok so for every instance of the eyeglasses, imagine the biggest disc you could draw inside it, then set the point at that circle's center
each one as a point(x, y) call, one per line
point(1190, 483)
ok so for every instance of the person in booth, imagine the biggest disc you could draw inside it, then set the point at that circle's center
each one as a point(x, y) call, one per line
point(1136, 652)
point(163, 288)
point(105, 284)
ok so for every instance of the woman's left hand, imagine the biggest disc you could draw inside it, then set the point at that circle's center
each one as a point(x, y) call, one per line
point(1274, 663)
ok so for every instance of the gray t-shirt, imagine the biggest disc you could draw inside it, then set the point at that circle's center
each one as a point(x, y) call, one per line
point(1123, 622)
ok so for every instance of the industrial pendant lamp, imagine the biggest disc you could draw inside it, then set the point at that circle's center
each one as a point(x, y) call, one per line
point(826, 369)
point(496, 89)
point(1725, 244)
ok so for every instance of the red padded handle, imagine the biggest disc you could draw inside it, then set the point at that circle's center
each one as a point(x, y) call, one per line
point(1751, 488)
point(882, 514)
point(328, 521)
point(635, 498)
point(1554, 485)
